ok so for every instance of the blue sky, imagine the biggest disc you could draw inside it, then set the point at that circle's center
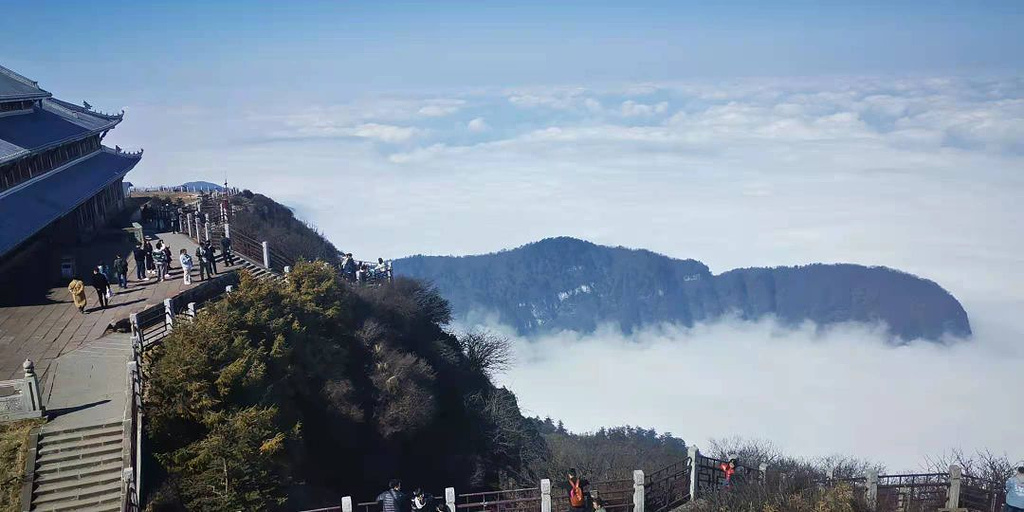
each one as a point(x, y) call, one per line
point(738, 133)
point(342, 48)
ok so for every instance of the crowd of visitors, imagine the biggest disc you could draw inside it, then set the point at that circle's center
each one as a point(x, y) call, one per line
point(395, 500)
point(364, 272)
point(151, 262)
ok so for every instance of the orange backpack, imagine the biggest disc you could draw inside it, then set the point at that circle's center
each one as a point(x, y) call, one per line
point(575, 494)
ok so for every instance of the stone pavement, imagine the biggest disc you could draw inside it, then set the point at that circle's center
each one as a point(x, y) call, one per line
point(89, 385)
point(50, 328)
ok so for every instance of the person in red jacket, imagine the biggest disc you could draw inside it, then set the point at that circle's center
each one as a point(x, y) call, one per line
point(729, 468)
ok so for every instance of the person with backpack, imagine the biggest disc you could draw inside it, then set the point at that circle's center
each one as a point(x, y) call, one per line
point(393, 500)
point(121, 271)
point(577, 500)
point(598, 505)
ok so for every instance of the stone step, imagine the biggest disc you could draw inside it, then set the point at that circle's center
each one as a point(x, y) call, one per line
point(71, 456)
point(91, 468)
point(110, 502)
point(72, 467)
point(91, 496)
point(57, 439)
point(82, 444)
point(86, 483)
point(113, 422)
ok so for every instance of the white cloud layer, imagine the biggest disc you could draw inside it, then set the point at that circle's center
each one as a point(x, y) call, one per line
point(921, 174)
point(845, 392)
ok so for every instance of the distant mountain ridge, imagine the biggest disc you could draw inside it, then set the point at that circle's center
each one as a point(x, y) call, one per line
point(567, 283)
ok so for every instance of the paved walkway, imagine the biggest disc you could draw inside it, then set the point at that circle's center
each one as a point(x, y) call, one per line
point(45, 331)
point(89, 384)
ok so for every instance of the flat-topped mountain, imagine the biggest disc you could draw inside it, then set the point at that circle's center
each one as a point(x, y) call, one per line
point(566, 283)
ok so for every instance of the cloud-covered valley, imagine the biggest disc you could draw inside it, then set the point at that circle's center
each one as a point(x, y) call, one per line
point(921, 174)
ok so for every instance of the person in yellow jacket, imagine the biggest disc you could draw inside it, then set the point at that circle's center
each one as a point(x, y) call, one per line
point(77, 289)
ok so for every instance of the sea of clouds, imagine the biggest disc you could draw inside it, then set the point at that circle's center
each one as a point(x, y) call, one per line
point(924, 174)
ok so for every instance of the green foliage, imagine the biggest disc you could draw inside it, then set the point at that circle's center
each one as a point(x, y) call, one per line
point(291, 394)
point(609, 453)
point(13, 448)
point(257, 213)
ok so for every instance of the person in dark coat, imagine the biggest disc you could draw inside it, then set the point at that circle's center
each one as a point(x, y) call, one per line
point(225, 249)
point(150, 262)
point(101, 284)
point(121, 271)
point(139, 254)
point(393, 499)
point(201, 261)
point(211, 257)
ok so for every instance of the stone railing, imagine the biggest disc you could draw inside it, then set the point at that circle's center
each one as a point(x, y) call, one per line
point(625, 495)
point(20, 398)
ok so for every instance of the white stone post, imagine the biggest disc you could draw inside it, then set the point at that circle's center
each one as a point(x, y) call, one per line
point(449, 498)
point(229, 289)
point(955, 477)
point(346, 504)
point(191, 233)
point(287, 269)
point(693, 454)
point(227, 230)
point(545, 495)
point(169, 313)
point(191, 310)
point(138, 337)
point(266, 254)
point(638, 491)
point(206, 225)
point(35, 401)
point(871, 494)
point(763, 469)
point(199, 229)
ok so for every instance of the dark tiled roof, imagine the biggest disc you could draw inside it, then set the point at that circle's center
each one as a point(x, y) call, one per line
point(24, 212)
point(8, 150)
point(48, 126)
point(15, 87)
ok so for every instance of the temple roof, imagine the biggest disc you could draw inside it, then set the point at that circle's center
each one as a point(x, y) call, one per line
point(14, 87)
point(25, 211)
point(49, 126)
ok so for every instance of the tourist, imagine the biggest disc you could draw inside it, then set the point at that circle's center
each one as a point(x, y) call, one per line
point(169, 260)
point(139, 254)
point(77, 289)
point(1015, 492)
point(577, 501)
point(101, 285)
point(225, 249)
point(382, 269)
point(186, 266)
point(392, 500)
point(729, 468)
point(422, 502)
point(211, 257)
point(150, 261)
point(201, 259)
point(121, 271)
point(597, 504)
point(160, 258)
point(348, 267)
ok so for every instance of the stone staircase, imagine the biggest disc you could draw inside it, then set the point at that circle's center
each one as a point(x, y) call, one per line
point(79, 469)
